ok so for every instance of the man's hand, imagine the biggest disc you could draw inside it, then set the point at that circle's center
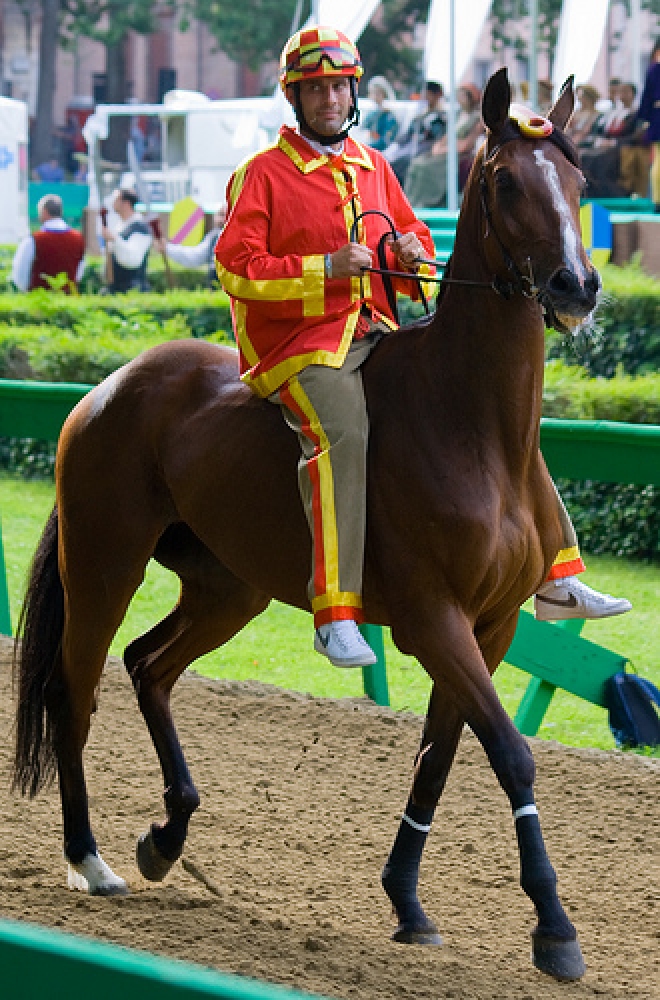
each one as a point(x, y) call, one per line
point(107, 234)
point(407, 250)
point(349, 261)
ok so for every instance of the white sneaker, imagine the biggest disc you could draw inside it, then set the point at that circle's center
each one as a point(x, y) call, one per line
point(557, 600)
point(343, 644)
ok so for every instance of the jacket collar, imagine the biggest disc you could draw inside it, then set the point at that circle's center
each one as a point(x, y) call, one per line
point(308, 159)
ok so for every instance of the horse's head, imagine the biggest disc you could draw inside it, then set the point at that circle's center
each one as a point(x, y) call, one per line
point(530, 185)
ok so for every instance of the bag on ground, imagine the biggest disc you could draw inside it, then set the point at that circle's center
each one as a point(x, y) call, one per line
point(633, 703)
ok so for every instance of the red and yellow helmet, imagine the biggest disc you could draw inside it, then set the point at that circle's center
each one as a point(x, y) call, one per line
point(318, 51)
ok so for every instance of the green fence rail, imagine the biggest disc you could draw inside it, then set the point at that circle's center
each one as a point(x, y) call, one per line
point(555, 655)
point(41, 964)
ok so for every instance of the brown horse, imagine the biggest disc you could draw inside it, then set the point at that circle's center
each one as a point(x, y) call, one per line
point(171, 458)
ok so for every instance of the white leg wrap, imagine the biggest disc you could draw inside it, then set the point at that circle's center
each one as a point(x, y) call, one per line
point(530, 810)
point(94, 876)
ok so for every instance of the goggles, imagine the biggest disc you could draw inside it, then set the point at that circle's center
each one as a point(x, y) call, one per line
point(311, 61)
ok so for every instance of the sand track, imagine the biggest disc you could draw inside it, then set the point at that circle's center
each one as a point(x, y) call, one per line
point(300, 802)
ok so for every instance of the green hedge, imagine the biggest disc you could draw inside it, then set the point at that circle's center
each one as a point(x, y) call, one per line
point(625, 337)
point(82, 339)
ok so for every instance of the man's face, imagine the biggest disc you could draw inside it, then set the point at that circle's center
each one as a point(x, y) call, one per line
point(326, 102)
point(626, 95)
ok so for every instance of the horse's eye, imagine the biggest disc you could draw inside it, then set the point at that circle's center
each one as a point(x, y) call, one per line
point(505, 182)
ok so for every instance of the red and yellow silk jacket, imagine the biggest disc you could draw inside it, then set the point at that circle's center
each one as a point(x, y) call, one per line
point(288, 207)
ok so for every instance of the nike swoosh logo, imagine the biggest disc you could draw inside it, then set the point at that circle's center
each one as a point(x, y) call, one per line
point(570, 603)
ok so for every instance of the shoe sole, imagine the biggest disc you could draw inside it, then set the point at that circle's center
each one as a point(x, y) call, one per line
point(348, 663)
point(580, 615)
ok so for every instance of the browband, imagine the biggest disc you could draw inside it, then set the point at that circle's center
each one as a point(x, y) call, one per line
point(513, 129)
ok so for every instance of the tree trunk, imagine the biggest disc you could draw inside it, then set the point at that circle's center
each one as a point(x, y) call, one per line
point(42, 136)
point(114, 147)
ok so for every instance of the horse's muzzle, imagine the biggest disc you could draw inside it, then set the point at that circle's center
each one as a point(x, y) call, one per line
point(566, 300)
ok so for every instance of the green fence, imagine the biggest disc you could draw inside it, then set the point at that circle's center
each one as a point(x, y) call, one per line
point(40, 964)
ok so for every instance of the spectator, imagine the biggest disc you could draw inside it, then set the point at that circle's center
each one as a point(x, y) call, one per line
point(128, 246)
point(49, 172)
point(649, 112)
point(380, 123)
point(610, 107)
point(543, 96)
point(426, 180)
point(602, 163)
point(55, 249)
point(203, 254)
point(429, 124)
point(583, 125)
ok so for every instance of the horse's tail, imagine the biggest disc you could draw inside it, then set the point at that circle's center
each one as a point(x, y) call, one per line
point(36, 663)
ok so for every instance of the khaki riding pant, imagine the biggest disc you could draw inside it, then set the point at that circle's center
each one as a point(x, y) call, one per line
point(327, 410)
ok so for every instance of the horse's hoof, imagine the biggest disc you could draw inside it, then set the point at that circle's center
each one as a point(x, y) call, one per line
point(93, 876)
point(422, 934)
point(150, 861)
point(561, 959)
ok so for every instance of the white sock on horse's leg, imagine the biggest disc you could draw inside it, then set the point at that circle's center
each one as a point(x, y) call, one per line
point(94, 876)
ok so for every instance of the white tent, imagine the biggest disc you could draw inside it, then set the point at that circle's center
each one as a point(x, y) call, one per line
point(580, 39)
point(13, 170)
point(468, 24)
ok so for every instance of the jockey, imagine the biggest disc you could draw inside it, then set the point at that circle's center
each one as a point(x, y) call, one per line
point(307, 315)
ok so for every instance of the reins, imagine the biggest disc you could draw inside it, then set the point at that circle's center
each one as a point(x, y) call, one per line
point(524, 284)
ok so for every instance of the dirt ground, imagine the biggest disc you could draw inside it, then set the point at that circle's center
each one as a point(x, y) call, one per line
point(300, 802)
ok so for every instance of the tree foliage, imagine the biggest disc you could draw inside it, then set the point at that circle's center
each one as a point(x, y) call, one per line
point(508, 16)
point(252, 32)
point(387, 45)
point(108, 21)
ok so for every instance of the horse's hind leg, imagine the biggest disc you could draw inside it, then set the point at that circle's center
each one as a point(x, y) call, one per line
point(96, 602)
point(213, 607)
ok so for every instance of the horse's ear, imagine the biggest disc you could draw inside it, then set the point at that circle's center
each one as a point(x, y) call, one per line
point(563, 106)
point(496, 100)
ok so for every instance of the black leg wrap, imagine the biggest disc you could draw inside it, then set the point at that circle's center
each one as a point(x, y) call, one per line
point(77, 848)
point(539, 881)
point(400, 875)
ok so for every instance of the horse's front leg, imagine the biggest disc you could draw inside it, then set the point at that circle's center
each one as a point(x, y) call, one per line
point(400, 876)
point(449, 651)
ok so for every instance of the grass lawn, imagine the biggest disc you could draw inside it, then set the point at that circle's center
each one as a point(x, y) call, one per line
point(277, 649)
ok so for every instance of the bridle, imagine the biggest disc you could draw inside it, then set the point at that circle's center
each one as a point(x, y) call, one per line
point(519, 282)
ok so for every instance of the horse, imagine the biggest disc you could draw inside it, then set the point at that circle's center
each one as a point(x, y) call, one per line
point(172, 458)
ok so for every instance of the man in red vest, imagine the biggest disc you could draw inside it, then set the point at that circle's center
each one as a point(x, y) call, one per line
point(55, 249)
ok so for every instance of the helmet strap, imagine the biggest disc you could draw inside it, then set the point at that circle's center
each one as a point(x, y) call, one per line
point(326, 140)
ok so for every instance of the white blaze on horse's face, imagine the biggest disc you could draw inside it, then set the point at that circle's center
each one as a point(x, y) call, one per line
point(572, 238)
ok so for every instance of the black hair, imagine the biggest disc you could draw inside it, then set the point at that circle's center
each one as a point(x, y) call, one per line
point(130, 196)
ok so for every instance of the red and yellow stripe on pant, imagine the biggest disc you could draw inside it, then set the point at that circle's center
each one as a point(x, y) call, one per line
point(332, 480)
point(568, 560)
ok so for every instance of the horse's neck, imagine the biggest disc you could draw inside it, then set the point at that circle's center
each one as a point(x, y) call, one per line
point(488, 351)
